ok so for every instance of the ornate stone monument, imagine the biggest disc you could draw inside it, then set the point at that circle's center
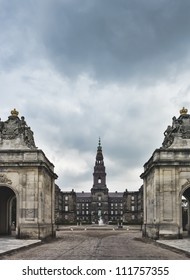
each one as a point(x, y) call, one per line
point(166, 179)
point(26, 183)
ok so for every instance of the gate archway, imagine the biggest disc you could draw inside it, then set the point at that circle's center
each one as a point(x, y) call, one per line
point(8, 210)
point(27, 183)
point(166, 180)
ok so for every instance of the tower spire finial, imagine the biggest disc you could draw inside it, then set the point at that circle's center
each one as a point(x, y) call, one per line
point(99, 142)
point(99, 148)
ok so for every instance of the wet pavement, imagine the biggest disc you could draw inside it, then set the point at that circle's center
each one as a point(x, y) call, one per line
point(96, 244)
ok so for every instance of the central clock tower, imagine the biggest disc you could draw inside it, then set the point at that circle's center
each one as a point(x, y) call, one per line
point(99, 191)
point(99, 175)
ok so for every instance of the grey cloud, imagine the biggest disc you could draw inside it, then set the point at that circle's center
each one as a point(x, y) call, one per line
point(130, 39)
point(111, 40)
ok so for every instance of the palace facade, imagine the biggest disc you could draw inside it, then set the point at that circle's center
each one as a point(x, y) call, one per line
point(99, 205)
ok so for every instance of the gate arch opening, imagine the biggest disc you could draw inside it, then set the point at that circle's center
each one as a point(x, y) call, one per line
point(186, 211)
point(8, 212)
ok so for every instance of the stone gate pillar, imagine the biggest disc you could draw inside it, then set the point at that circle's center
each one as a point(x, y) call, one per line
point(27, 174)
point(166, 178)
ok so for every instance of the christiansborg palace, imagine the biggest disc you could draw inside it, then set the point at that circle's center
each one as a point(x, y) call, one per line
point(99, 205)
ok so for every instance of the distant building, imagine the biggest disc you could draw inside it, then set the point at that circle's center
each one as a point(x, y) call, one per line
point(99, 204)
point(65, 207)
point(133, 206)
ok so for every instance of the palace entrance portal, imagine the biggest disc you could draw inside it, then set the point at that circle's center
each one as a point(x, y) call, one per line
point(8, 212)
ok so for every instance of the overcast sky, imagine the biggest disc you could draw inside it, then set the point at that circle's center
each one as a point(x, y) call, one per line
point(83, 69)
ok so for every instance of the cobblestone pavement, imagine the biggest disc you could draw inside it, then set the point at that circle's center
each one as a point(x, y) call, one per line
point(97, 245)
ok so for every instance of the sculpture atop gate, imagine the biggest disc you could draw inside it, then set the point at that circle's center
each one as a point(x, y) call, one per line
point(15, 131)
point(178, 134)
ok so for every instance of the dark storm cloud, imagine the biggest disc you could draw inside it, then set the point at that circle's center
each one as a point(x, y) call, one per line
point(118, 40)
point(110, 40)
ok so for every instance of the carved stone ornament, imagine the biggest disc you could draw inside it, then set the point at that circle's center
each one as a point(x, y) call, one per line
point(4, 179)
point(187, 183)
point(16, 127)
point(180, 127)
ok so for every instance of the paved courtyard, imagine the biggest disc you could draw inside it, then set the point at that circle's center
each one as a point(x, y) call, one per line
point(97, 245)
